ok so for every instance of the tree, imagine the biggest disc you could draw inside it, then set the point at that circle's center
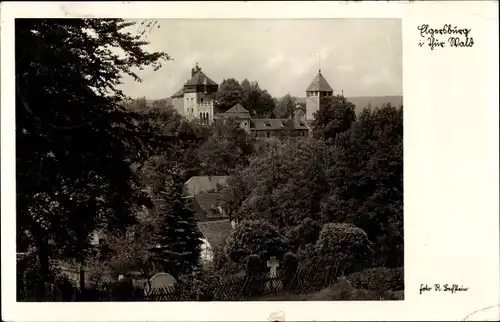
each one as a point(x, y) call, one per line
point(268, 191)
point(246, 88)
point(259, 102)
point(227, 148)
point(73, 139)
point(344, 245)
point(286, 107)
point(178, 237)
point(229, 94)
point(255, 237)
point(335, 116)
point(367, 181)
point(129, 251)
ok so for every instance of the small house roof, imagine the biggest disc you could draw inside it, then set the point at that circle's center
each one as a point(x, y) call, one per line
point(277, 124)
point(200, 184)
point(238, 108)
point(215, 232)
point(236, 112)
point(208, 202)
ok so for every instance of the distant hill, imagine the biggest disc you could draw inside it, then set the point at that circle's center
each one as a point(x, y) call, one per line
point(374, 101)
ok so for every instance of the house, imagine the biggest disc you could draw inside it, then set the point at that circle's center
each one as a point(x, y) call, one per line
point(214, 233)
point(267, 128)
point(263, 128)
point(203, 192)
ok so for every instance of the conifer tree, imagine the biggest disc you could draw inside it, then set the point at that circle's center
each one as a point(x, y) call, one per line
point(177, 237)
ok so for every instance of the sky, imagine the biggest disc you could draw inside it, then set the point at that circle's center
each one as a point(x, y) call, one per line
point(362, 57)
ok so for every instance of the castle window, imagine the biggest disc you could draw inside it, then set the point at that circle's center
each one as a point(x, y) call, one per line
point(245, 124)
point(268, 124)
point(201, 116)
point(302, 134)
point(268, 134)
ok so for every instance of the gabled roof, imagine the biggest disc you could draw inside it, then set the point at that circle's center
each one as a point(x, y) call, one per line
point(238, 108)
point(200, 79)
point(200, 184)
point(208, 203)
point(215, 232)
point(319, 84)
point(277, 124)
point(237, 112)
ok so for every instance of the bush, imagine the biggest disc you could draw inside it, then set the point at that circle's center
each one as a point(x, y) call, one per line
point(306, 232)
point(231, 268)
point(343, 290)
point(194, 289)
point(255, 237)
point(307, 253)
point(255, 266)
point(345, 246)
point(378, 279)
point(290, 266)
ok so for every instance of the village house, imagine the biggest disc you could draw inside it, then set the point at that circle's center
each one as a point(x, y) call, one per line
point(213, 222)
point(263, 128)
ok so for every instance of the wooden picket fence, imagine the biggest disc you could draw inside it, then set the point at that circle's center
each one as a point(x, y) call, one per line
point(217, 288)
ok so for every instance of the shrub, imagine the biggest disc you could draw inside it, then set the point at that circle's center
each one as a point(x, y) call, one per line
point(344, 245)
point(255, 265)
point(231, 268)
point(378, 279)
point(255, 237)
point(343, 290)
point(194, 289)
point(307, 253)
point(290, 266)
point(306, 232)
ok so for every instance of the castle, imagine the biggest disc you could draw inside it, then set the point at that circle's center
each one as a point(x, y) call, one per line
point(195, 100)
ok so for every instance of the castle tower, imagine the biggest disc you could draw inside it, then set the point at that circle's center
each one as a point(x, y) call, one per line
point(196, 99)
point(318, 89)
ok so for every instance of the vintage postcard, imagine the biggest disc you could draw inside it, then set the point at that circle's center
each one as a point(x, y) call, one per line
point(250, 161)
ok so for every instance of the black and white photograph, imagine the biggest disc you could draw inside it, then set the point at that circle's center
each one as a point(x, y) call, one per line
point(209, 159)
point(249, 161)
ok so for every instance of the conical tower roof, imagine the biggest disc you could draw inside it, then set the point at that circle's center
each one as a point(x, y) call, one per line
point(319, 84)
